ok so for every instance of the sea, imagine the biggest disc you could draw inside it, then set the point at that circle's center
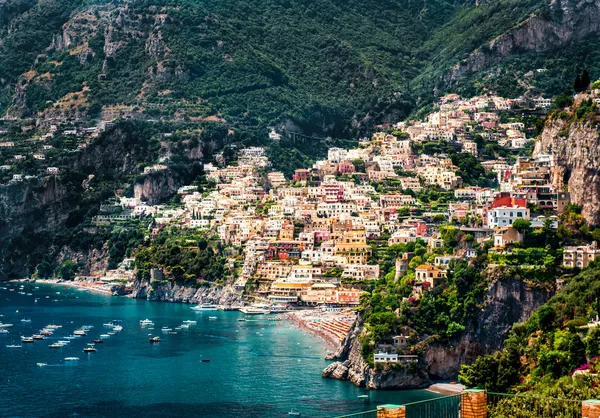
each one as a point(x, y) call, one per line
point(253, 368)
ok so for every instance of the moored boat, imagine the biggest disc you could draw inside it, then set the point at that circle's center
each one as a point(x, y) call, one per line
point(155, 339)
point(205, 307)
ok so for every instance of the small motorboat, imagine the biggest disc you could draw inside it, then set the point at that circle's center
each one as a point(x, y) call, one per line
point(4, 331)
point(242, 319)
point(26, 320)
point(212, 317)
point(80, 332)
point(28, 340)
point(71, 358)
point(117, 328)
point(155, 339)
point(89, 350)
point(146, 322)
point(191, 322)
point(98, 341)
point(13, 346)
point(38, 337)
point(165, 329)
point(205, 360)
point(293, 413)
point(104, 336)
point(42, 364)
point(55, 345)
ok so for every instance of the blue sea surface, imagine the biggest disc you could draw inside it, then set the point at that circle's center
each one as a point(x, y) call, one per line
point(257, 368)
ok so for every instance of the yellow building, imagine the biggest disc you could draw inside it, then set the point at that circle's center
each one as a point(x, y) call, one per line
point(353, 247)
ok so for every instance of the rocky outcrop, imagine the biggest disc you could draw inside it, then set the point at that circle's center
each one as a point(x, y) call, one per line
point(576, 148)
point(508, 301)
point(357, 371)
point(154, 187)
point(171, 291)
point(568, 21)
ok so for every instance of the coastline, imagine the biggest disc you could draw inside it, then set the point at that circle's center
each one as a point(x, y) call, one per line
point(81, 285)
point(305, 321)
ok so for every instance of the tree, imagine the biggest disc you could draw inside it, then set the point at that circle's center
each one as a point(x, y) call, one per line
point(523, 225)
point(592, 342)
point(577, 84)
point(67, 270)
point(585, 80)
point(576, 351)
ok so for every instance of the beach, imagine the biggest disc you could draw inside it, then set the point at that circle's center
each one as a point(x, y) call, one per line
point(97, 287)
point(332, 327)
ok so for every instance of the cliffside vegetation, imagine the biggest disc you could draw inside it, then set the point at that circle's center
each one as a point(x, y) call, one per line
point(327, 67)
point(542, 353)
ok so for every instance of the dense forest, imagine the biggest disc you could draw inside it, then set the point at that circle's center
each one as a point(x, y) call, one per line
point(323, 67)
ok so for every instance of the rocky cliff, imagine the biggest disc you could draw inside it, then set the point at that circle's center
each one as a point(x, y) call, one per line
point(575, 146)
point(508, 301)
point(170, 291)
point(566, 21)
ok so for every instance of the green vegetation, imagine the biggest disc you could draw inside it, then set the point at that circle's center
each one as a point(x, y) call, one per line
point(184, 257)
point(548, 346)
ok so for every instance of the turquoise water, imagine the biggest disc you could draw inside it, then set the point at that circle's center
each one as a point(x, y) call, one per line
point(257, 368)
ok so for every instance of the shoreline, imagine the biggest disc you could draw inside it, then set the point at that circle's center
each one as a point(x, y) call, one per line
point(304, 320)
point(330, 342)
point(81, 285)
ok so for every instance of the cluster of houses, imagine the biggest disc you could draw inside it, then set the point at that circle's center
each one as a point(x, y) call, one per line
point(38, 148)
point(305, 240)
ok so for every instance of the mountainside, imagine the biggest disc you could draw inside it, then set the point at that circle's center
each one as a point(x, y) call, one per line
point(326, 66)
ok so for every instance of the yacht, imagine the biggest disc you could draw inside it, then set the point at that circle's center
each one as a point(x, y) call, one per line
point(205, 307)
point(256, 309)
point(80, 332)
point(117, 328)
point(27, 340)
point(38, 337)
point(146, 322)
point(4, 331)
point(155, 339)
point(5, 325)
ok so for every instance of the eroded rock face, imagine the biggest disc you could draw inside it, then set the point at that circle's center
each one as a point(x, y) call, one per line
point(177, 292)
point(578, 20)
point(576, 148)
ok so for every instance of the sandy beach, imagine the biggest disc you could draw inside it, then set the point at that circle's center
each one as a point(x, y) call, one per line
point(332, 327)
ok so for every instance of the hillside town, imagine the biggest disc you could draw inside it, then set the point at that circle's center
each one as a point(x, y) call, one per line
point(308, 240)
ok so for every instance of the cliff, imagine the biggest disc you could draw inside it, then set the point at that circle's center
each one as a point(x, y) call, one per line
point(575, 146)
point(566, 21)
point(508, 301)
point(357, 371)
point(171, 291)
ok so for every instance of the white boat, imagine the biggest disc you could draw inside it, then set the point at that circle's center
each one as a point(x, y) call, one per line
point(52, 326)
point(27, 339)
point(212, 317)
point(256, 309)
point(108, 325)
point(103, 336)
point(205, 307)
point(26, 320)
point(71, 358)
point(70, 337)
point(117, 328)
point(80, 332)
point(42, 364)
point(164, 329)
point(13, 346)
point(5, 325)
point(146, 322)
point(4, 331)
point(190, 322)
point(184, 326)
point(55, 345)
